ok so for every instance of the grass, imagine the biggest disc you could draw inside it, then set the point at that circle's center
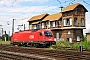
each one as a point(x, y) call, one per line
point(4, 42)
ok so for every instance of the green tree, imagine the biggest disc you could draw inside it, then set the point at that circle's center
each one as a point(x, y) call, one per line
point(7, 37)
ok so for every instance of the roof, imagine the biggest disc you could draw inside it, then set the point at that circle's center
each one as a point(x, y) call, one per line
point(72, 7)
point(53, 17)
point(38, 17)
point(35, 22)
point(88, 33)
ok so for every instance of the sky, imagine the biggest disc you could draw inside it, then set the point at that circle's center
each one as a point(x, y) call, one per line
point(23, 10)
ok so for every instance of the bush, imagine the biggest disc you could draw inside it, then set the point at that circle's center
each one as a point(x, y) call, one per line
point(85, 44)
point(62, 43)
point(75, 45)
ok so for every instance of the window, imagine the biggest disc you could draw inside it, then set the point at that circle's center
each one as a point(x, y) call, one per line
point(69, 40)
point(82, 22)
point(30, 26)
point(69, 32)
point(47, 33)
point(59, 23)
point(57, 35)
point(33, 26)
point(68, 22)
point(48, 24)
point(53, 24)
point(75, 21)
point(78, 38)
point(42, 25)
point(56, 23)
point(64, 22)
point(38, 26)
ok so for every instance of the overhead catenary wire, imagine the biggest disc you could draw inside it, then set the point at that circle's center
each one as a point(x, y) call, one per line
point(85, 2)
point(72, 2)
point(59, 1)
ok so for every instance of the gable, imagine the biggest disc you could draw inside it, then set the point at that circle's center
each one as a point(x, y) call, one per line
point(53, 17)
point(38, 17)
point(72, 7)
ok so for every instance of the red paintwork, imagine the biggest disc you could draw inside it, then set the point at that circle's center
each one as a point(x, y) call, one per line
point(32, 36)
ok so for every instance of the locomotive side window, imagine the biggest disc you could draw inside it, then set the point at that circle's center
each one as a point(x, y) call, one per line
point(40, 34)
point(48, 33)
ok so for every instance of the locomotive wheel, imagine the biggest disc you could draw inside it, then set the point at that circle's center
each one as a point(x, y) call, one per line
point(25, 44)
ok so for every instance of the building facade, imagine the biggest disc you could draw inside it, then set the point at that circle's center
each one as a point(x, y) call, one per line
point(88, 36)
point(65, 25)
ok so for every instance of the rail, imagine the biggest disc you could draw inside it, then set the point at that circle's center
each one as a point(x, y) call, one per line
point(45, 54)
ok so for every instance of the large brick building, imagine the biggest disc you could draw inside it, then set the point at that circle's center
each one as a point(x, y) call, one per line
point(65, 25)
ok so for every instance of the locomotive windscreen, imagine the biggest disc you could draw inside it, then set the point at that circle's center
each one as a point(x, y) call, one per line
point(48, 33)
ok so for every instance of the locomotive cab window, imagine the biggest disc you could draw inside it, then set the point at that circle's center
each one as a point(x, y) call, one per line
point(40, 34)
point(48, 33)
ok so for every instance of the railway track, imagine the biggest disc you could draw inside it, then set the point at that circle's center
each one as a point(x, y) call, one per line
point(41, 54)
point(4, 55)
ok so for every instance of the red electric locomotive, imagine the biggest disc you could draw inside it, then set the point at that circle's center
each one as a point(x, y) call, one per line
point(37, 38)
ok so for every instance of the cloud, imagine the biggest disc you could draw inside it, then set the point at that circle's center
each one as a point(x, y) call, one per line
point(29, 9)
point(87, 23)
point(88, 20)
point(11, 9)
point(6, 2)
point(1, 23)
point(34, 0)
point(16, 2)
